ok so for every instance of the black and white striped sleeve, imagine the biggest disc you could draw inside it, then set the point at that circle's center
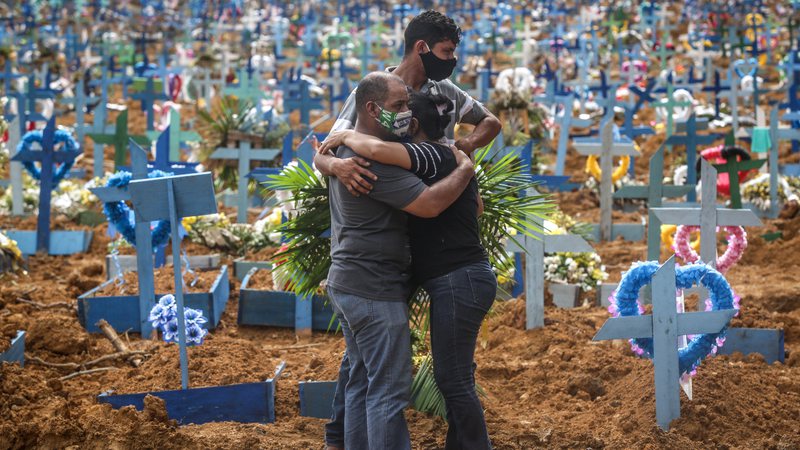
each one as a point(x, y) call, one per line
point(426, 159)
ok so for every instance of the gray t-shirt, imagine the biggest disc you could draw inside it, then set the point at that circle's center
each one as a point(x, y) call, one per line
point(370, 253)
point(465, 108)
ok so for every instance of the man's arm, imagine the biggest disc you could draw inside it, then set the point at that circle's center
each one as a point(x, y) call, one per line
point(351, 172)
point(486, 130)
point(473, 112)
point(436, 198)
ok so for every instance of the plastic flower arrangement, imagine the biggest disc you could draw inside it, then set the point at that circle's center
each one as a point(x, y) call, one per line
point(163, 316)
point(756, 191)
point(583, 269)
point(10, 255)
point(218, 232)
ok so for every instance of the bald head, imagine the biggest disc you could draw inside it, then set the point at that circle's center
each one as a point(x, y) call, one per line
point(379, 87)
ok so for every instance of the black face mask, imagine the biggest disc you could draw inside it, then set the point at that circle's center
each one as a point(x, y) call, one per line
point(437, 69)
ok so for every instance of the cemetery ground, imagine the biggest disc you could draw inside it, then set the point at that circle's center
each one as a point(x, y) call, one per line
point(546, 388)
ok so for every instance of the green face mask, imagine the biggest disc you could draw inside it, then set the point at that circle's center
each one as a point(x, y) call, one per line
point(395, 122)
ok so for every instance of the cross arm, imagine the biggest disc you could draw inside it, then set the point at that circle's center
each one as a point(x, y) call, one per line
point(702, 322)
point(595, 148)
point(627, 327)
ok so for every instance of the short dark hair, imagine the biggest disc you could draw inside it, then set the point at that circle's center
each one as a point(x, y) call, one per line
point(374, 87)
point(431, 27)
point(432, 111)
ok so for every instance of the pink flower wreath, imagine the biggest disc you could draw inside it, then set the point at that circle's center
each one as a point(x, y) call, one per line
point(737, 242)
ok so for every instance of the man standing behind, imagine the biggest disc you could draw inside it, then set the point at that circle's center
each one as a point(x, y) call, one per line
point(368, 281)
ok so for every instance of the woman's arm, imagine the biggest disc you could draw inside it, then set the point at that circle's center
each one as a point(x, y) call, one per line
point(391, 153)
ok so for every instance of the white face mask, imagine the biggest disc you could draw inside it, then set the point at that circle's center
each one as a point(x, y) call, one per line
point(396, 123)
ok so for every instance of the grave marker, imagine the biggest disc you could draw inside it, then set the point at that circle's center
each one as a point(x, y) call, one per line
point(244, 154)
point(606, 149)
point(48, 156)
point(664, 326)
point(172, 198)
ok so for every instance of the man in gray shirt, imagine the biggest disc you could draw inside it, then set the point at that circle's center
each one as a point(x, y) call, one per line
point(430, 43)
point(368, 281)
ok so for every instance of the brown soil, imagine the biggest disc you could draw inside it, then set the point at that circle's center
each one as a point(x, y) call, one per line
point(261, 280)
point(164, 282)
point(547, 388)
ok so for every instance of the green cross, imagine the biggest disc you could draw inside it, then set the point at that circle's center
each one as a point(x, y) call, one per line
point(732, 167)
point(119, 139)
point(248, 88)
point(663, 53)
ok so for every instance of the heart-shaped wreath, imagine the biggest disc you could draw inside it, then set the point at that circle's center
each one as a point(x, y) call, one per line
point(118, 213)
point(625, 302)
point(737, 242)
point(61, 170)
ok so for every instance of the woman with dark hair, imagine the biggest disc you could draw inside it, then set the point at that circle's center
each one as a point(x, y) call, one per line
point(448, 261)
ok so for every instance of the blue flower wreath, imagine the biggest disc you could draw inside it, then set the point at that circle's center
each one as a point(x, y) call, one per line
point(118, 213)
point(61, 170)
point(625, 303)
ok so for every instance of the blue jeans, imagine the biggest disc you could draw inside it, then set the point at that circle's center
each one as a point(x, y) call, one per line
point(378, 385)
point(459, 302)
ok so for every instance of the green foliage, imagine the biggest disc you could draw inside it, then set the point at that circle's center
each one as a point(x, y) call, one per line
point(307, 256)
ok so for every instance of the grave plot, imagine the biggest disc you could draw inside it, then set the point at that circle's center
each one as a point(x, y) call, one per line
point(207, 89)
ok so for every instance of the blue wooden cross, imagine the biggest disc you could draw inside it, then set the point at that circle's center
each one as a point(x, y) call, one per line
point(792, 68)
point(565, 122)
point(147, 98)
point(244, 154)
point(653, 194)
point(32, 94)
point(664, 326)
point(691, 140)
point(172, 198)
point(48, 156)
point(717, 88)
point(163, 161)
point(296, 96)
point(144, 244)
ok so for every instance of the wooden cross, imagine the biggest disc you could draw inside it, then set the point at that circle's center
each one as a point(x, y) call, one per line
point(244, 154)
point(28, 112)
point(147, 97)
point(565, 122)
point(178, 135)
point(297, 97)
point(15, 170)
point(535, 248)
point(606, 149)
point(144, 243)
point(48, 156)
point(732, 168)
point(119, 139)
point(669, 103)
point(708, 216)
point(205, 86)
point(172, 198)
point(664, 326)
point(653, 193)
point(777, 134)
point(692, 140)
point(164, 162)
point(716, 88)
point(248, 89)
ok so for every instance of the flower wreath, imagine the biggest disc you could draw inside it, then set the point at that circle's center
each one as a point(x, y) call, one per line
point(737, 242)
point(593, 167)
point(118, 213)
point(625, 302)
point(61, 171)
